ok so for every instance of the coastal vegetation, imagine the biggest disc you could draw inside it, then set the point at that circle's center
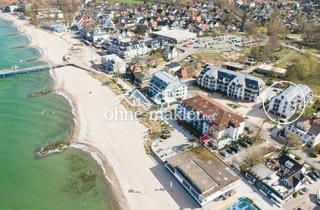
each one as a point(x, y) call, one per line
point(157, 128)
point(109, 82)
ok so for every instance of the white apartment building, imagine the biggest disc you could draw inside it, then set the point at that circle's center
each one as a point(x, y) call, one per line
point(210, 118)
point(290, 100)
point(306, 129)
point(169, 53)
point(97, 35)
point(166, 89)
point(127, 49)
point(233, 84)
point(113, 64)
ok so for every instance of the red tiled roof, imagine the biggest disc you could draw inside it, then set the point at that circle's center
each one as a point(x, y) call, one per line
point(220, 115)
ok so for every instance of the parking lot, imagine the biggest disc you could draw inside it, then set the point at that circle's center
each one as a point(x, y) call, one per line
point(226, 41)
point(240, 145)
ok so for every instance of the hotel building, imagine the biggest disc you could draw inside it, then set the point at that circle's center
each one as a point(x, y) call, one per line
point(221, 124)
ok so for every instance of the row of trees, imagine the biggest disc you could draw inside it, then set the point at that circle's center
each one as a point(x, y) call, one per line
point(262, 53)
point(311, 35)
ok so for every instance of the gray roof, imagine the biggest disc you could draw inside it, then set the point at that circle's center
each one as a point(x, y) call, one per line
point(238, 74)
point(171, 81)
point(204, 171)
point(315, 129)
point(293, 92)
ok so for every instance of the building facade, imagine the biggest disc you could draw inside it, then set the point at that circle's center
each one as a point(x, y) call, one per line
point(233, 84)
point(306, 129)
point(169, 53)
point(221, 124)
point(127, 49)
point(204, 176)
point(290, 100)
point(166, 89)
point(113, 64)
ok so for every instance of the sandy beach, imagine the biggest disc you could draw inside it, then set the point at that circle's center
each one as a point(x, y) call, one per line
point(138, 181)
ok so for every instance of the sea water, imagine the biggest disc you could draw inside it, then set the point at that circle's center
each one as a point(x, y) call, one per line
point(67, 181)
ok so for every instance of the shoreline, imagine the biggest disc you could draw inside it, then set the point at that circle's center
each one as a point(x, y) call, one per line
point(57, 88)
point(135, 177)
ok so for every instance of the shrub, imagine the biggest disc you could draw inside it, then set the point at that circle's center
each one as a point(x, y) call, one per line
point(297, 157)
point(313, 154)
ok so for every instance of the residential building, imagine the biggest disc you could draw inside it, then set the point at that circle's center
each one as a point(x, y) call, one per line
point(169, 53)
point(155, 44)
point(210, 118)
point(173, 67)
point(278, 178)
point(202, 174)
point(290, 100)
point(113, 64)
point(307, 129)
point(166, 89)
point(49, 13)
point(97, 35)
point(126, 49)
point(233, 84)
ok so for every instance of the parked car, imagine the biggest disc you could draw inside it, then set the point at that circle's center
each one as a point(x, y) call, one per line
point(249, 141)
point(304, 189)
point(312, 176)
point(224, 153)
point(316, 173)
point(238, 147)
point(244, 144)
point(233, 148)
point(229, 150)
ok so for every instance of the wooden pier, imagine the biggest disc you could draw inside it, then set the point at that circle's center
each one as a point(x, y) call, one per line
point(14, 72)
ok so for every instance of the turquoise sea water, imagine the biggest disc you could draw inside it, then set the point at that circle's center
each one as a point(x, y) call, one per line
point(69, 180)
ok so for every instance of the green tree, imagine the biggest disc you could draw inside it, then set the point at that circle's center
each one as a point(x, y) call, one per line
point(141, 30)
point(293, 141)
point(276, 28)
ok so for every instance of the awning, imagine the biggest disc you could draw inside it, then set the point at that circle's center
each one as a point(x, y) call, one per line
point(205, 139)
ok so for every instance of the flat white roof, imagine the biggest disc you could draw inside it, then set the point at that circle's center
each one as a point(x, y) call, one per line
point(266, 67)
point(179, 35)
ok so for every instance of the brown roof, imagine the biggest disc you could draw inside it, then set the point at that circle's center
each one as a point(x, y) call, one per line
point(220, 115)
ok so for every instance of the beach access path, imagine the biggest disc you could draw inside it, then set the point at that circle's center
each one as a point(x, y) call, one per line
point(143, 182)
